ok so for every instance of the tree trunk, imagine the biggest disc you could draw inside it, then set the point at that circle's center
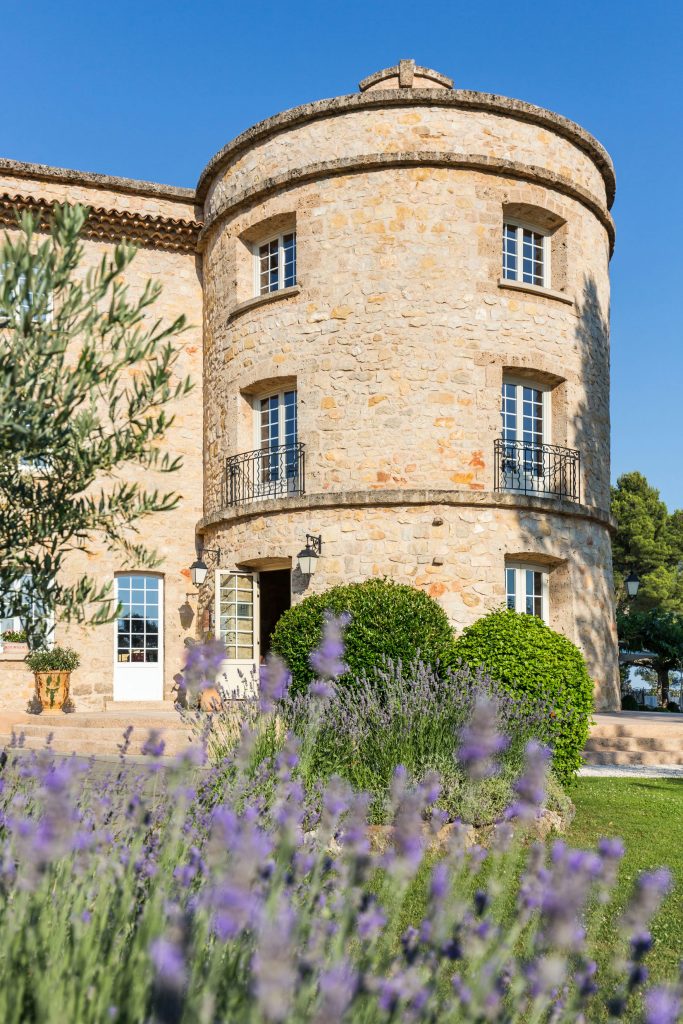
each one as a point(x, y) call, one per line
point(663, 684)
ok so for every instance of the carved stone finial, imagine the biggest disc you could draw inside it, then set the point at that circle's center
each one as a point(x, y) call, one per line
point(406, 75)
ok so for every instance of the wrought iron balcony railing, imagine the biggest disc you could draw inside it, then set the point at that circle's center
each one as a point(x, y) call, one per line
point(544, 469)
point(265, 473)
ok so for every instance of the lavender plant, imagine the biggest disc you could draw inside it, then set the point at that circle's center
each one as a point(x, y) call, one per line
point(152, 894)
point(415, 717)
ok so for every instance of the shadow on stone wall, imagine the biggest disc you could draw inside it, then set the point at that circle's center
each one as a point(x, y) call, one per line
point(591, 426)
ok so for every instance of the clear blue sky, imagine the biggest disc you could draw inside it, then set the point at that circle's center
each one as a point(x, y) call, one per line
point(151, 90)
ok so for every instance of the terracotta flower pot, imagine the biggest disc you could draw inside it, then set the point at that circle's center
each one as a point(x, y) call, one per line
point(210, 699)
point(53, 690)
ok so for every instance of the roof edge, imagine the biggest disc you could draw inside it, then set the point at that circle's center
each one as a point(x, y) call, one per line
point(461, 98)
point(42, 172)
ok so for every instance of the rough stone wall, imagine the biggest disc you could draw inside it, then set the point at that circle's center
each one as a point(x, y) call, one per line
point(400, 332)
point(393, 130)
point(456, 553)
point(171, 534)
point(397, 337)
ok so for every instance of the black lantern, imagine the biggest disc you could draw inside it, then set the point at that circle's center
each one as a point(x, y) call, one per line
point(308, 558)
point(199, 568)
point(632, 583)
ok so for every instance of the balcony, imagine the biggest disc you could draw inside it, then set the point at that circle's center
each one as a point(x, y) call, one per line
point(546, 470)
point(265, 473)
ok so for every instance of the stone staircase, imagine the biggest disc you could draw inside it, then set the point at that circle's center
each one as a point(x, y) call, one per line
point(100, 733)
point(629, 738)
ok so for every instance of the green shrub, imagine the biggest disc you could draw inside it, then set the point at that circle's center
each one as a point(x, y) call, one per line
point(526, 656)
point(53, 659)
point(629, 703)
point(389, 620)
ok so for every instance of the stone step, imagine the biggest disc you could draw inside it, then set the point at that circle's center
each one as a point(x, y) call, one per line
point(118, 707)
point(85, 740)
point(638, 723)
point(654, 758)
point(635, 743)
point(146, 720)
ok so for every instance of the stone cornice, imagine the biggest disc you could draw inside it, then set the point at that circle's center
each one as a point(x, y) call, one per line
point(407, 497)
point(110, 225)
point(110, 183)
point(381, 161)
point(383, 98)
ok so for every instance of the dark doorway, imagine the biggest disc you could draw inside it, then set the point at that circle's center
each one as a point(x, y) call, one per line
point(275, 598)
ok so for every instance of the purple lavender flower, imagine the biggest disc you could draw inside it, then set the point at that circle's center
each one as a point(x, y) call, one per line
point(168, 962)
point(530, 786)
point(651, 888)
point(662, 1006)
point(203, 663)
point(337, 985)
point(154, 745)
point(327, 660)
point(274, 680)
point(480, 740)
point(273, 964)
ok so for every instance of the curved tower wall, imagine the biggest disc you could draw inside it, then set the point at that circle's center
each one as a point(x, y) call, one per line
point(398, 336)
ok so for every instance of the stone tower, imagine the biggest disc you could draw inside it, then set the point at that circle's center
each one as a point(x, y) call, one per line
point(406, 306)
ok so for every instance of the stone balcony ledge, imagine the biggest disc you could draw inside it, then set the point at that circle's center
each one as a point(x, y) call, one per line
point(395, 497)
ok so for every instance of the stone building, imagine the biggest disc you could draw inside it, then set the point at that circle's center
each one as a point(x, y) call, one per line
point(404, 367)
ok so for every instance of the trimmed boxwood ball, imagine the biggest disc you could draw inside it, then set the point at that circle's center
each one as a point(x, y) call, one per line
point(527, 656)
point(388, 620)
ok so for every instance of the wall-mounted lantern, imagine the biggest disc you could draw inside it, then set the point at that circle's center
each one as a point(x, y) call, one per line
point(632, 583)
point(308, 558)
point(199, 568)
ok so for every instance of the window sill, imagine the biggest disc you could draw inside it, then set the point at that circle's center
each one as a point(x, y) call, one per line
point(262, 300)
point(534, 289)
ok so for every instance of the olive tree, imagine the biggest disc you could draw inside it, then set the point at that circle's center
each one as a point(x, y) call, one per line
point(86, 376)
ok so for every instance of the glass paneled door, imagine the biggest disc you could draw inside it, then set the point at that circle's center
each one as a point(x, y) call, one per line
point(277, 440)
point(138, 661)
point(525, 430)
point(237, 622)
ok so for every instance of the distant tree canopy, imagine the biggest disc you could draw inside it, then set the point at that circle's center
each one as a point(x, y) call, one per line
point(648, 540)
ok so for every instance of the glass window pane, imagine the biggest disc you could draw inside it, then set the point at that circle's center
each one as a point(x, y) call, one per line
point(289, 259)
point(510, 588)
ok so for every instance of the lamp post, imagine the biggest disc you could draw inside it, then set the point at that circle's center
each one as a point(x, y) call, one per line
point(308, 558)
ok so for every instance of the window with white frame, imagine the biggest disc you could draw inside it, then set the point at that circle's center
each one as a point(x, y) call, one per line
point(526, 254)
point(275, 263)
point(276, 439)
point(526, 589)
point(21, 300)
point(525, 412)
point(32, 611)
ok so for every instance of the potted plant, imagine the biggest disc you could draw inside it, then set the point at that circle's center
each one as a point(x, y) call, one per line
point(13, 641)
point(52, 668)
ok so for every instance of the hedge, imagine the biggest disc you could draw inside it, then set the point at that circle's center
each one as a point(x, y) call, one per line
point(525, 655)
point(388, 621)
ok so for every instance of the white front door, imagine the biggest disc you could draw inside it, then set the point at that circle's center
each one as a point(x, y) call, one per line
point(237, 621)
point(138, 659)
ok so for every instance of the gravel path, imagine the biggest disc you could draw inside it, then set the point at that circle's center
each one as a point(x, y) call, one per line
point(632, 771)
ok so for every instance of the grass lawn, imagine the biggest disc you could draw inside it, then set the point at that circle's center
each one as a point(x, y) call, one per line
point(648, 815)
